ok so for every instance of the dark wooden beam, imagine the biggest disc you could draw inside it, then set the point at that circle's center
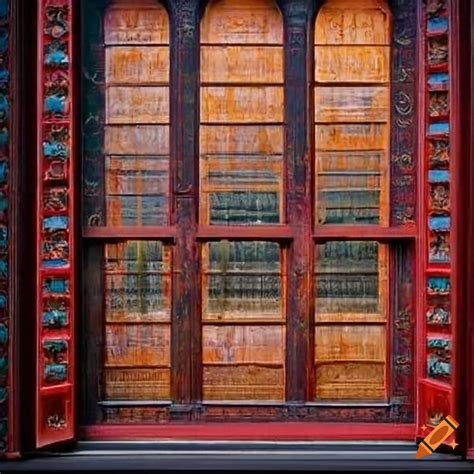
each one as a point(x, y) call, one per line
point(298, 18)
point(186, 325)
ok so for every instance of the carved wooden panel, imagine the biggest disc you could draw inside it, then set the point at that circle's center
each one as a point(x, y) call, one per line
point(55, 224)
point(440, 152)
point(351, 291)
point(7, 381)
point(352, 46)
point(137, 297)
point(242, 48)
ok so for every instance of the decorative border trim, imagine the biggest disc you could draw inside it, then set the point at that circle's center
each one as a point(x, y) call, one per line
point(436, 365)
point(5, 210)
point(55, 225)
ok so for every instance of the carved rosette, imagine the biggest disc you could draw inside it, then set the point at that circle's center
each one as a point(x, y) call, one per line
point(55, 221)
point(5, 104)
point(436, 401)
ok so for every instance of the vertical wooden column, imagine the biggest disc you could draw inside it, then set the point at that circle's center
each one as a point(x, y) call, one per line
point(186, 324)
point(297, 17)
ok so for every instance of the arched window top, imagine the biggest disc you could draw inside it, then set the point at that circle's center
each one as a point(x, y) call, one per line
point(346, 22)
point(136, 21)
point(242, 21)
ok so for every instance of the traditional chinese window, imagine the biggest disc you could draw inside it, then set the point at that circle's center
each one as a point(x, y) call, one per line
point(126, 200)
point(247, 254)
point(241, 184)
point(352, 130)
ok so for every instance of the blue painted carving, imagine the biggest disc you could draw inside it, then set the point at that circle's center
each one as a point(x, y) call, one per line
point(3, 300)
point(439, 285)
point(3, 395)
point(438, 25)
point(54, 149)
point(56, 54)
point(4, 108)
point(4, 269)
point(4, 8)
point(54, 373)
point(440, 223)
point(56, 223)
point(441, 128)
point(3, 235)
point(438, 366)
point(55, 104)
point(3, 365)
point(56, 285)
point(438, 176)
point(54, 318)
point(4, 136)
point(3, 40)
point(3, 333)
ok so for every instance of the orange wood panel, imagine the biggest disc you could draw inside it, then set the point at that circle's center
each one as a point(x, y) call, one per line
point(242, 104)
point(137, 105)
point(137, 139)
point(262, 139)
point(341, 137)
point(137, 384)
point(137, 65)
point(256, 64)
point(245, 21)
point(349, 22)
point(352, 104)
point(137, 345)
point(359, 64)
point(243, 382)
point(243, 344)
point(129, 22)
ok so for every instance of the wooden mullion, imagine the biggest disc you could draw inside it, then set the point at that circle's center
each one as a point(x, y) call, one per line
point(298, 16)
point(186, 366)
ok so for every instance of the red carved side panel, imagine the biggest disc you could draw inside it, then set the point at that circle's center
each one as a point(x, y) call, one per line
point(437, 338)
point(55, 225)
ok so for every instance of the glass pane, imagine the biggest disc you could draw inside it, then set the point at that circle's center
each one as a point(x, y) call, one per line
point(352, 112)
point(127, 109)
point(137, 320)
point(241, 114)
point(351, 288)
point(243, 332)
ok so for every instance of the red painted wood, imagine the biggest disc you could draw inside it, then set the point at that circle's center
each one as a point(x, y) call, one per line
point(293, 431)
point(55, 399)
point(467, 122)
